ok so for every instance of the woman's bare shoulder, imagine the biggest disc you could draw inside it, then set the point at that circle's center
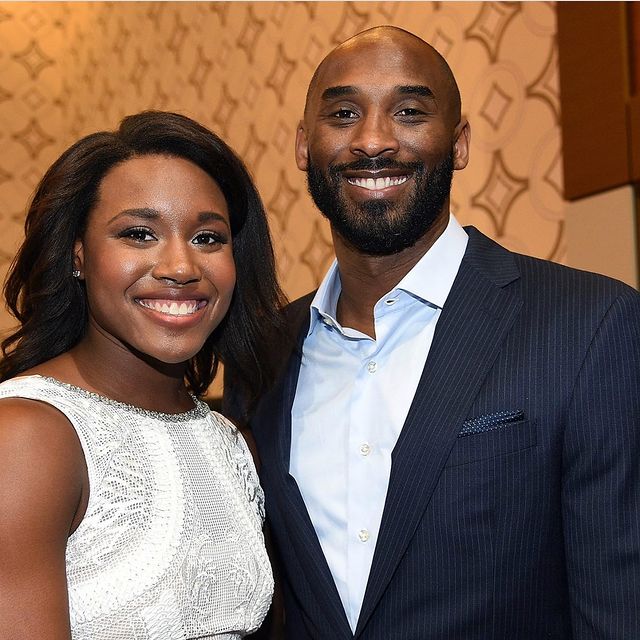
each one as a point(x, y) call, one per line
point(42, 488)
point(42, 465)
point(24, 418)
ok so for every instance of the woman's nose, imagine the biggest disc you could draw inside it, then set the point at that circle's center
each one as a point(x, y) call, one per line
point(177, 261)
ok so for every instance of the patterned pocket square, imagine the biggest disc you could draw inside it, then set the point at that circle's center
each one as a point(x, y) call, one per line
point(490, 422)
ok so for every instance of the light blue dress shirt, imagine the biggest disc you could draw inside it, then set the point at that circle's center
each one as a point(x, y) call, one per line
point(352, 398)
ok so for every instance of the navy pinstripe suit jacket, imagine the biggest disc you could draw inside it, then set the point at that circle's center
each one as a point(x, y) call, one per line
point(513, 509)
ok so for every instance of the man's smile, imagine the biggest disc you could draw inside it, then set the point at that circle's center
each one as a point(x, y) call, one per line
point(377, 184)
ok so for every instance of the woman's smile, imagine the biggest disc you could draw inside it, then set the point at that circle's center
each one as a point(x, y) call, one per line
point(173, 307)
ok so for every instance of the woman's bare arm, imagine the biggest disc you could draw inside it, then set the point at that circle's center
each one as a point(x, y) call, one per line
point(43, 484)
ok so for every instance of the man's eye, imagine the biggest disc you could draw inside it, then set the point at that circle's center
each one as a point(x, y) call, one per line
point(137, 234)
point(209, 238)
point(345, 114)
point(409, 112)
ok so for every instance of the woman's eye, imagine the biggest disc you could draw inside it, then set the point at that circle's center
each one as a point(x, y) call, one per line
point(209, 238)
point(137, 234)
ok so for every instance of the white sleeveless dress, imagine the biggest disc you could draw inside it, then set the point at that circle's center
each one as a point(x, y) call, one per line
point(171, 545)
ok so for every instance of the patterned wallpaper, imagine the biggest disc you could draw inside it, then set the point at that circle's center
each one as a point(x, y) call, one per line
point(242, 68)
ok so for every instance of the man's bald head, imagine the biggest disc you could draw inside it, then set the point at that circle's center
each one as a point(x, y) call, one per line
point(363, 41)
point(381, 137)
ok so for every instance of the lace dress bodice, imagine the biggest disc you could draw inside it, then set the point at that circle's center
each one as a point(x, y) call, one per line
point(171, 545)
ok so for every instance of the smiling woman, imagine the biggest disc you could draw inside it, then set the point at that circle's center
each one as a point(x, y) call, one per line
point(156, 259)
point(129, 508)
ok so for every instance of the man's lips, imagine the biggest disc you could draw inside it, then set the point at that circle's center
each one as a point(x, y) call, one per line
point(373, 177)
point(377, 183)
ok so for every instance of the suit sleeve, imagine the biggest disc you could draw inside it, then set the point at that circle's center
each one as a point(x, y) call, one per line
point(601, 480)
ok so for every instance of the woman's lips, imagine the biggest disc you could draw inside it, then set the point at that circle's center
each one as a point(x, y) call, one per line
point(172, 307)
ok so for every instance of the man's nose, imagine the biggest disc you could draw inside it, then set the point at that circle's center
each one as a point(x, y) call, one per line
point(374, 136)
point(177, 261)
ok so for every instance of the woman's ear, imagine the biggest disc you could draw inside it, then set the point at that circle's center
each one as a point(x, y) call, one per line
point(78, 259)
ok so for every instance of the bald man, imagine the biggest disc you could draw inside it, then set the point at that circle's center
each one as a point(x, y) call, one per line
point(453, 449)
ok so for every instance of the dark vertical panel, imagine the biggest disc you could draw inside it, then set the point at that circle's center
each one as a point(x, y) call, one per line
point(593, 60)
point(633, 17)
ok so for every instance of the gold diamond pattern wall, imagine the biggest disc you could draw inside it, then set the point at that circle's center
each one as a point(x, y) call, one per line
point(241, 68)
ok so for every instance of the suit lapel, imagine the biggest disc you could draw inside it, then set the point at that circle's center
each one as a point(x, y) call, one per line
point(300, 530)
point(474, 322)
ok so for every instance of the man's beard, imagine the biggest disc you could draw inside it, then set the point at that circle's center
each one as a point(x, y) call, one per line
point(382, 227)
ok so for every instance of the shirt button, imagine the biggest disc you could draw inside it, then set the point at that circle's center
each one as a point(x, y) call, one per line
point(363, 535)
point(365, 449)
point(390, 301)
point(372, 367)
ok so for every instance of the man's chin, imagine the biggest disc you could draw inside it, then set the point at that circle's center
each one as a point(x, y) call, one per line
point(374, 207)
point(374, 249)
point(373, 241)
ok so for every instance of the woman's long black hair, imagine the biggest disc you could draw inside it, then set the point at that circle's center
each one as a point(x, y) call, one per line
point(51, 304)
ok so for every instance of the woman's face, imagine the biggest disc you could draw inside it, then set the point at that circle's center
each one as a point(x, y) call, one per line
point(156, 258)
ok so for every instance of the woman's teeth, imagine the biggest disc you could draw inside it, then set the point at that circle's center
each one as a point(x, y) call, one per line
point(171, 307)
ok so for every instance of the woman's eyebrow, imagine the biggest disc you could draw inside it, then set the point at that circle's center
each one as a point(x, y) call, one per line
point(146, 213)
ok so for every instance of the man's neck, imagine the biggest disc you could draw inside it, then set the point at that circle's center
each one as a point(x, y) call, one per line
point(366, 278)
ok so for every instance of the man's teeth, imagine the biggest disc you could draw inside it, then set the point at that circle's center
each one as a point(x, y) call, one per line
point(171, 307)
point(377, 184)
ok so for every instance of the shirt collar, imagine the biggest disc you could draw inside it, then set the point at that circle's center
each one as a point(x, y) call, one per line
point(432, 277)
point(325, 302)
point(430, 280)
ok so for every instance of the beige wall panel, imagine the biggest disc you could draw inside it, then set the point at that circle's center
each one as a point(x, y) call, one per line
point(30, 117)
point(242, 68)
point(601, 234)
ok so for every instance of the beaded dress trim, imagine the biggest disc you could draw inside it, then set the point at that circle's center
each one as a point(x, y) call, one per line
point(199, 410)
point(171, 545)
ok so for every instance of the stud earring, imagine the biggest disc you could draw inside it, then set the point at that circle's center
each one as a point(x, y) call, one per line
point(76, 273)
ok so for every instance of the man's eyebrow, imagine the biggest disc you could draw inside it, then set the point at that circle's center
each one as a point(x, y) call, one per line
point(338, 92)
point(416, 90)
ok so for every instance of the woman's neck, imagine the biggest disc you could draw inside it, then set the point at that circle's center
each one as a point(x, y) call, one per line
point(122, 375)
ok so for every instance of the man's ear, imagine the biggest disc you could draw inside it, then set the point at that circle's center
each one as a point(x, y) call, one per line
point(462, 139)
point(302, 147)
point(78, 257)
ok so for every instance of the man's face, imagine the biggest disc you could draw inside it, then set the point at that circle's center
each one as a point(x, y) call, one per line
point(379, 145)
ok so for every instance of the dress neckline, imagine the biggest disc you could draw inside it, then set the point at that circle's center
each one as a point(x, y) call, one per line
point(199, 410)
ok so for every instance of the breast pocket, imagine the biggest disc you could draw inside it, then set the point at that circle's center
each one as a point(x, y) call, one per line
point(511, 438)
